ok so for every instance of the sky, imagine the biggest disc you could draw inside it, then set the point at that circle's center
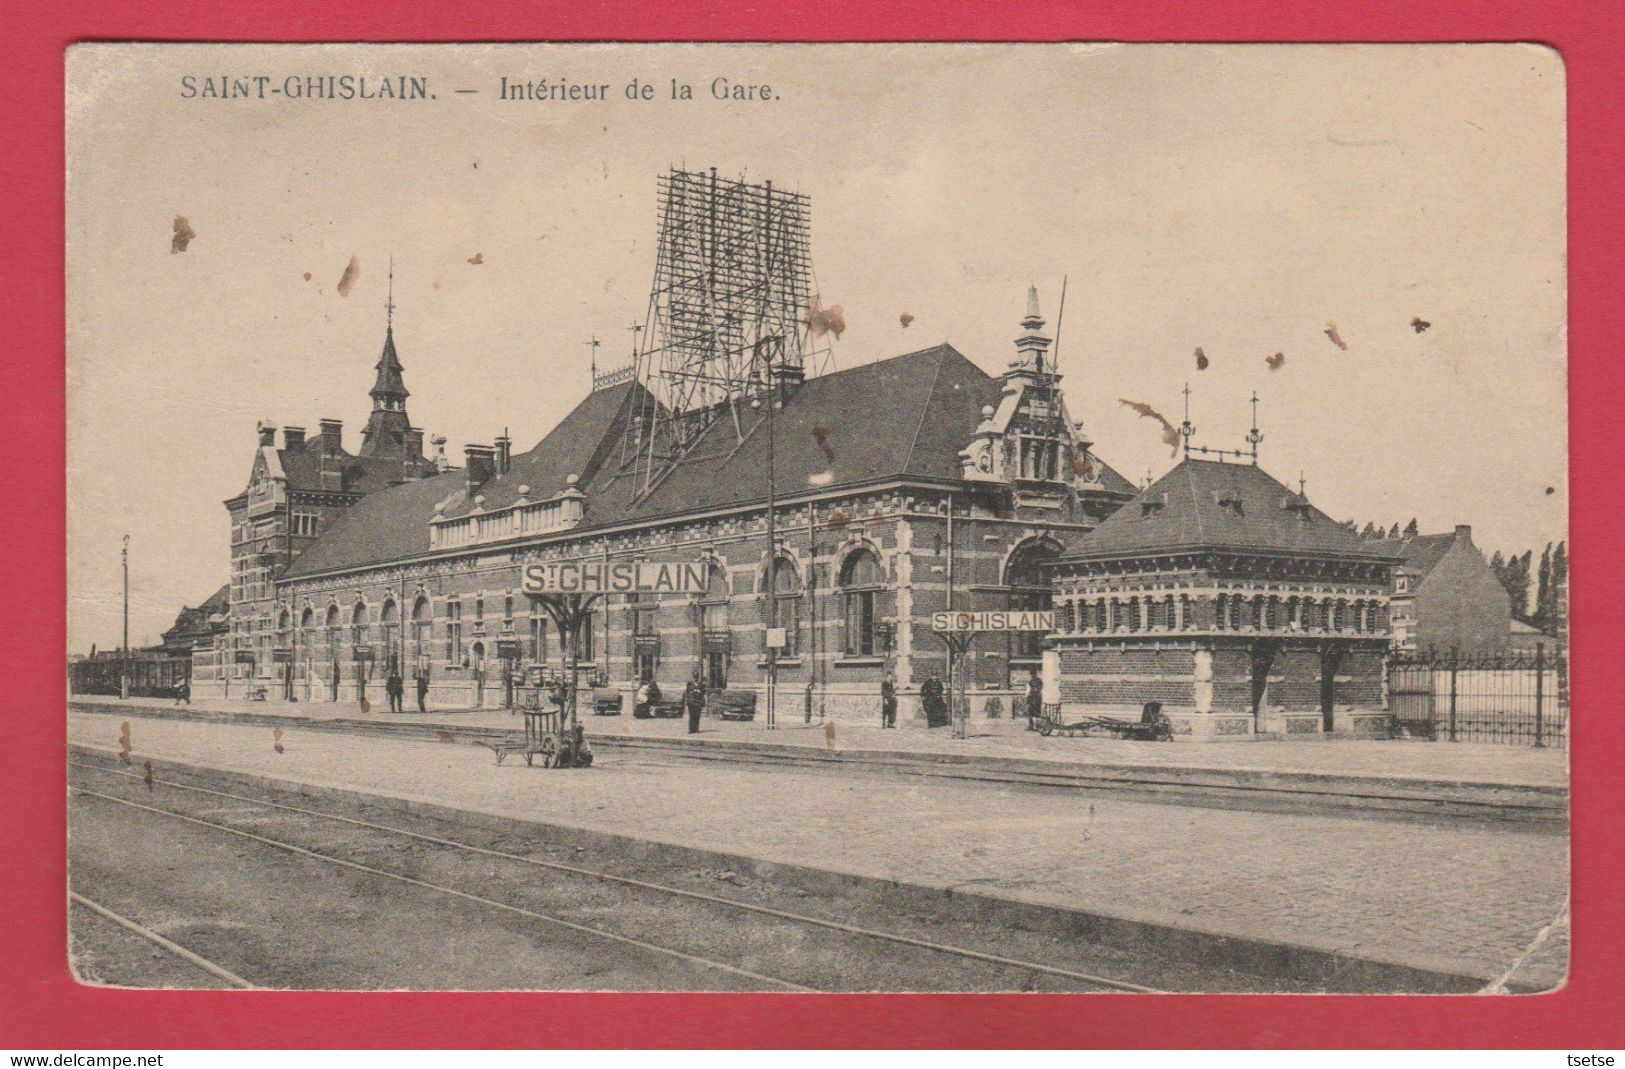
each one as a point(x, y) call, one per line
point(1240, 199)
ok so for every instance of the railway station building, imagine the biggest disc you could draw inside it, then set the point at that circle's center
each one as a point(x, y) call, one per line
point(900, 488)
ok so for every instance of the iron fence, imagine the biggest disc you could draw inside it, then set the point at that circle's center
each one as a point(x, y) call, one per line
point(1516, 698)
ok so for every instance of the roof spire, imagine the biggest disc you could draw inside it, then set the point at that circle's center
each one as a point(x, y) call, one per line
point(1185, 428)
point(389, 302)
point(1253, 436)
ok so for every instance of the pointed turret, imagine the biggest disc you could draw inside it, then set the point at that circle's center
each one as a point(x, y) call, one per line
point(1032, 347)
point(389, 431)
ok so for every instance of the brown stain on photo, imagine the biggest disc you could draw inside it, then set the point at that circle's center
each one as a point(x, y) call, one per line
point(445, 736)
point(1201, 359)
point(821, 436)
point(182, 236)
point(905, 319)
point(821, 320)
point(837, 520)
point(1337, 339)
point(1419, 324)
point(276, 739)
point(352, 275)
point(1170, 436)
point(477, 259)
point(1275, 361)
point(124, 742)
point(829, 734)
point(307, 276)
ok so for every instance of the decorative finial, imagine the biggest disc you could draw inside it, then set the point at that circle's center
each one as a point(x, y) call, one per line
point(1300, 483)
point(1185, 428)
point(389, 302)
point(1253, 436)
point(1032, 302)
point(593, 344)
point(636, 329)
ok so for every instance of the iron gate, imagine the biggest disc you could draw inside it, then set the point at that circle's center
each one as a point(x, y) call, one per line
point(1514, 698)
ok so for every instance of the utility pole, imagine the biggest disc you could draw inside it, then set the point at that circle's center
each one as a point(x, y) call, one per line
point(124, 672)
point(772, 615)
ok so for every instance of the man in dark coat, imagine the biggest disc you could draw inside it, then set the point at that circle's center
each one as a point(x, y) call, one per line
point(888, 703)
point(395, 687)
point(694, 701)
point(1034, 699)
point(423, 690)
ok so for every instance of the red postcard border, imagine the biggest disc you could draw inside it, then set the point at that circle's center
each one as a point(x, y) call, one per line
point(45, 1009)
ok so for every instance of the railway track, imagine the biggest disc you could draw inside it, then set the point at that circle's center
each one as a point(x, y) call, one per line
point(1536, 813)
point(853, 944)
point(219, 972)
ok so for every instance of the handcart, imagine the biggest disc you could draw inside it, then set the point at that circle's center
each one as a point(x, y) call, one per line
point(1153, 725)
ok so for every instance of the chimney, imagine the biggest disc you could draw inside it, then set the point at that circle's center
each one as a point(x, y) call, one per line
point(479, 461)
point(1464, 533)
point(414, 443)
point(439, 458)
point(332, 435)
point(504, 453)
point(293, 437)
point(267, 432)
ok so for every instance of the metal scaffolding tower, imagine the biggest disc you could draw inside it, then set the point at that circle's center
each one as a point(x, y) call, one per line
point(732, 312)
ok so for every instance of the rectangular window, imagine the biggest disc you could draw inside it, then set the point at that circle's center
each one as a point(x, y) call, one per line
point(860, 623)
point(538, 639)
point(586, 649)
point(454, 632)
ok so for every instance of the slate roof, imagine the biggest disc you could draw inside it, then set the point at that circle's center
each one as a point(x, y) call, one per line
point(1188, 509)
point(1418, 552)
point(908, 416)
point(383, 526)
point(361, 475)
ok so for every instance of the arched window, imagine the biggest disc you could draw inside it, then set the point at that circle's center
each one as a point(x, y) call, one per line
point(302, 638)
point(358, 624)
point(284, 638)
point(389, 618)
point(334, 633)
point(420, 632)
point(784, 604)
point(860, 581)
point(1221, 610)
point(714, 604)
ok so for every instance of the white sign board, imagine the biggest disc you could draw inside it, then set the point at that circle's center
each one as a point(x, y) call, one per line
point(616, 577)
point(777, 638)
point(993, 621)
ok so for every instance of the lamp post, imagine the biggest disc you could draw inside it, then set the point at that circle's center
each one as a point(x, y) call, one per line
point(124, 661)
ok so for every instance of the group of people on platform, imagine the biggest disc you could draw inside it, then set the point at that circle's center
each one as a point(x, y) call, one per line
point(933, 698)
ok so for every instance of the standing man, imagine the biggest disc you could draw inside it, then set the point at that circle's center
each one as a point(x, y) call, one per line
point(423, 690)
point(694, 700)
point(396, 688)
point(1035, 699)
point(888, 702)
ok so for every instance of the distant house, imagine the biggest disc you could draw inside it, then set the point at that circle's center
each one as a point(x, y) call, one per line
point(196, 625)
point(1525, 638)
point(1446, 596)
